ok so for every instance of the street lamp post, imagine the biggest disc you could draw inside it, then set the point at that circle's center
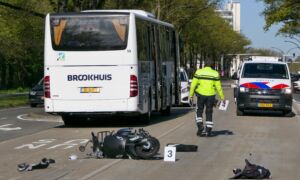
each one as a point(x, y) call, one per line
point(281, 51)
point(296, 39)
point(293, 43)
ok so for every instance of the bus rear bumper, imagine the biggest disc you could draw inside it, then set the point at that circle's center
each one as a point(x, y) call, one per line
point(91, 106)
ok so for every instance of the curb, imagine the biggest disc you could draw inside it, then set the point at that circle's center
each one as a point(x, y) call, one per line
point(40, 117)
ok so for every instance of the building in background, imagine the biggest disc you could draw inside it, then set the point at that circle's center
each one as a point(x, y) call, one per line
point(231, 12)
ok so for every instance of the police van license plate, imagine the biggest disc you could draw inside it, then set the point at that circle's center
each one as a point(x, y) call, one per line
point(90, 90)
point(265, 105)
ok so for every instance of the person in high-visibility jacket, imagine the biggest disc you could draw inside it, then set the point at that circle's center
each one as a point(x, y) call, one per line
point(205, 83)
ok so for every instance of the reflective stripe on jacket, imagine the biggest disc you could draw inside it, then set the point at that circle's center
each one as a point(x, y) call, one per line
point(206, 82)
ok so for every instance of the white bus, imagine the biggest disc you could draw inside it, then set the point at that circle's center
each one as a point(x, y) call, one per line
point(110, 62)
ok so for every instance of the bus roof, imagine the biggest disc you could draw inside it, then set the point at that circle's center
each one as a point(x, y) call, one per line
point(139, 13)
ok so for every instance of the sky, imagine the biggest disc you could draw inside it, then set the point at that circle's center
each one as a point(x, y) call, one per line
point(252, 23)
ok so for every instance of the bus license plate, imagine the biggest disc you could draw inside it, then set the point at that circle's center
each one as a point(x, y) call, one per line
point(90, 90)
point(265, 105)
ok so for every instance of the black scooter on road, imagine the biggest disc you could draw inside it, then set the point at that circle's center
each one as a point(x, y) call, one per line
point(125, 143)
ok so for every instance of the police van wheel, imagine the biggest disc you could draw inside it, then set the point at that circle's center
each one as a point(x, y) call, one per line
point(288, 113)
point(239, 112)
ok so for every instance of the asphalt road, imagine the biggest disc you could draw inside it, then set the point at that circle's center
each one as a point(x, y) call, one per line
point(21, 121)
point(272, 140)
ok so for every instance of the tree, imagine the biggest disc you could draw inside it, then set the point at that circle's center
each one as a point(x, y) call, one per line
point(21, 47)
point(283, 11)
point(263, 52)
point(204, 33)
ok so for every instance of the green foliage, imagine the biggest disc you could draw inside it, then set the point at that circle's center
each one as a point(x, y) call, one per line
point(13, 101)
point(14, 91)
point(204, 33)
point(294, 67)
point(263, 52)
point(21, 47)
point(286, 12)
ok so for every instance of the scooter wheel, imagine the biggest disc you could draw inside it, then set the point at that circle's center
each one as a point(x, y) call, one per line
point(149, 149)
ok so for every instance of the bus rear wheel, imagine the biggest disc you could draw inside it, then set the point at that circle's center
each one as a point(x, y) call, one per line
point(167, 111)
point(69, 120)
point(288, 113)
point(146, 118)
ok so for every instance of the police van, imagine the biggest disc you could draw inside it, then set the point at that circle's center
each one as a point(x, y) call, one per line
point(264, 83)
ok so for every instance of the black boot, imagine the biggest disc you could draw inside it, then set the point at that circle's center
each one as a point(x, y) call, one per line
point(200, 128)
point(208, 132)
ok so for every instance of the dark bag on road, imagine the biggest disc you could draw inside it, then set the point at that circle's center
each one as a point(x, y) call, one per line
point(183, 147)
point(251, 171)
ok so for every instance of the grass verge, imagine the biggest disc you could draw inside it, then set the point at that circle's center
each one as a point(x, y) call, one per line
point(13, 101)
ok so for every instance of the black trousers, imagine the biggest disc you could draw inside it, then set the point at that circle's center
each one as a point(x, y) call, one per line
point(208, 103)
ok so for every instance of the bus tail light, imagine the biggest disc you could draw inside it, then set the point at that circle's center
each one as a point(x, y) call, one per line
point(47, 87)
point(133, 86)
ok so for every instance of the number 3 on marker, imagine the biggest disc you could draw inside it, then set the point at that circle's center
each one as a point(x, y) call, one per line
point(170, 154)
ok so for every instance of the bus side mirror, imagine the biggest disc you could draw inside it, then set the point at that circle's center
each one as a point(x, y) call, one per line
point(234, 76)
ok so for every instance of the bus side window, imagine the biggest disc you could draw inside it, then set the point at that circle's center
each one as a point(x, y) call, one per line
point(141, 40)
point(153, 43)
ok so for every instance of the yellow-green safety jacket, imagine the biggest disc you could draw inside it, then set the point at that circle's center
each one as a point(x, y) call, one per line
point(206, 82)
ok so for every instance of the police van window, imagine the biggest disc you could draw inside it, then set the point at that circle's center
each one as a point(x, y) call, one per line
point(265, 70)
point(89, 33)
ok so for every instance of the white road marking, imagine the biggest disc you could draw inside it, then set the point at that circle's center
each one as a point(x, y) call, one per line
point(23, 118)
point(43, 142)
point(5, 128)
point(93, 173)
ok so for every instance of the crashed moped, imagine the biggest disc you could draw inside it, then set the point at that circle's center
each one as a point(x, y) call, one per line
point(125, 143)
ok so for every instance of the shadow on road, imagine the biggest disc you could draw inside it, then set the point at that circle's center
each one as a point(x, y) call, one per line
point(221, 133)
point(265, 113)
point(123, 121)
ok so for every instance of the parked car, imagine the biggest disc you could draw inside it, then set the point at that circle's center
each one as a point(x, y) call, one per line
point(296, 85)
point(295, 81)
point(294, 77)
point(185, 87)
point(36, 95)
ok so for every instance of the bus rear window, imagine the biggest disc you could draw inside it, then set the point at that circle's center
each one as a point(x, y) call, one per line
point(265, 70)
point(89, 33)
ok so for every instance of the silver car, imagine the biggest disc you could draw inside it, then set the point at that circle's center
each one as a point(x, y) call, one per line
point(185, 87)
